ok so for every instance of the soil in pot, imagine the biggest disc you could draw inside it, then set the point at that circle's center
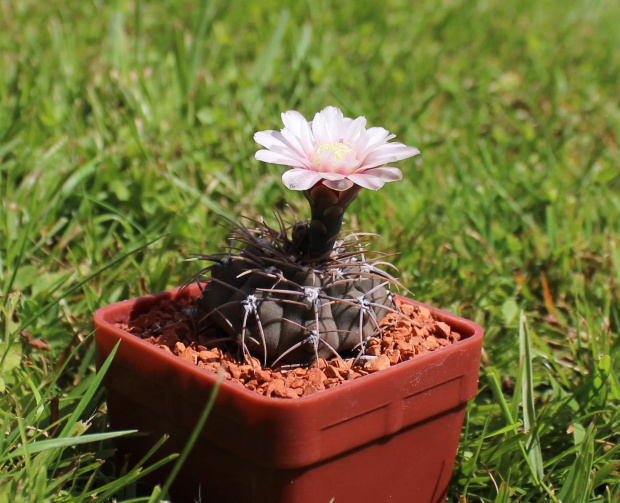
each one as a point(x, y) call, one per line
point(168, 326)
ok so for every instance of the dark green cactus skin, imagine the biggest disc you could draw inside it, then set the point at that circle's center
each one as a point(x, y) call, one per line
point(281, 308)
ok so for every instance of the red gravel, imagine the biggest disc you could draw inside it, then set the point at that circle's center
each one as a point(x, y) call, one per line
point(167, 327)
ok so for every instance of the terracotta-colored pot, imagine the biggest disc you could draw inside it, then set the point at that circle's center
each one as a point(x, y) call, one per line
point(388, 436)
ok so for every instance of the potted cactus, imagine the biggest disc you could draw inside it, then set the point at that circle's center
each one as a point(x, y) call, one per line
point(290, 300)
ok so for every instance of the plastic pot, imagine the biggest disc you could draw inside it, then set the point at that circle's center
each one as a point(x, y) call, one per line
point(387, 436)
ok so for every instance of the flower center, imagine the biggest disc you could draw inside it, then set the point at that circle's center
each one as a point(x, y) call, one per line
point(338, 152)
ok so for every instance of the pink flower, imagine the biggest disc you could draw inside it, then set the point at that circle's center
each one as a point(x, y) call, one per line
point(332, 149)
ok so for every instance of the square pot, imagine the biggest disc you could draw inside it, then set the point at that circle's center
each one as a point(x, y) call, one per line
point(387, 436)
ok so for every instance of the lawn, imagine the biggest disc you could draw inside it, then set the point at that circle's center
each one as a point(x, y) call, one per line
point(126, 131)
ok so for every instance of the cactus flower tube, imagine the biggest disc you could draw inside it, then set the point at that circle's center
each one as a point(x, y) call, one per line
point(331, 159)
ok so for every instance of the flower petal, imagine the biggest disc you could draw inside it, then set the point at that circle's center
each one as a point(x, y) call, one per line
point(295, 144)
point(332, 176)
point(386, 173)
point(327, 125)
point(354, 130)
point(389, 152)
point(276, 158)
point(275, 140)
point(367, 181)
point(378, 136)
point(300, 128)
point(338, 185)
point(300, 179)
point(369, 140)
point(266, 138)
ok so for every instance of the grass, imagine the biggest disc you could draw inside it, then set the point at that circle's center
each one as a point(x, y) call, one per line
point(126, 128)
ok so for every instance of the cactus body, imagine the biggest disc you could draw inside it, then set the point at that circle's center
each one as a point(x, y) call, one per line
point(282, 307)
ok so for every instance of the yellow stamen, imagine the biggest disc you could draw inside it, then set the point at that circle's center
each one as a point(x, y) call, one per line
point(338, 150)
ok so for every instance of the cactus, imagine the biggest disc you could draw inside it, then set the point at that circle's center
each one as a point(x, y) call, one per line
point(293, 294)
point(280, 306)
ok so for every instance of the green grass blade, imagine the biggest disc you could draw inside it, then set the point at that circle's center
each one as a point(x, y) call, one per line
point(90, 393)
point(576, 488)
point(62, 443)
point(529, 412)
point(88, 278)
